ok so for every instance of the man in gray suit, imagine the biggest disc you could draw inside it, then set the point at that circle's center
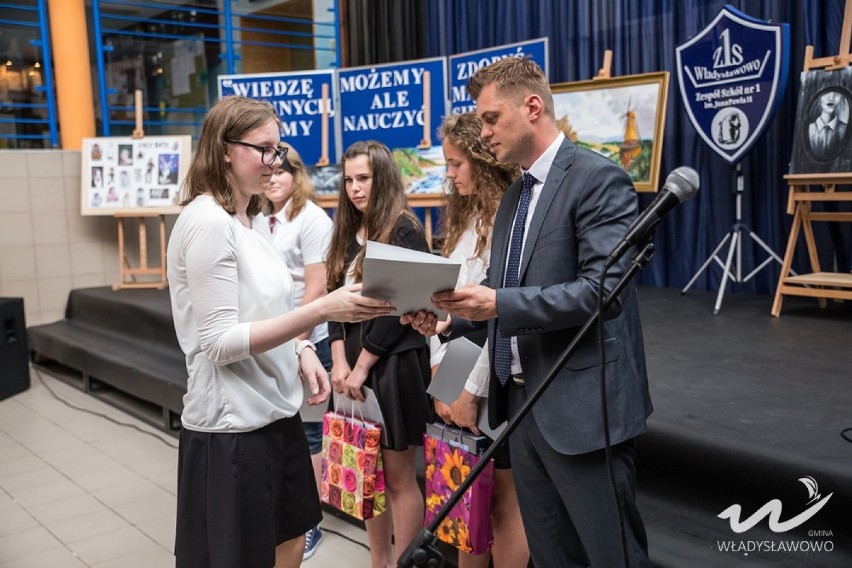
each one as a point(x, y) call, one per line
point(540, 289)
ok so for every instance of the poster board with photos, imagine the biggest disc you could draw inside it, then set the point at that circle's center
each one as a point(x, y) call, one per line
point(622, 118)
point(822, 136)
point(127, 175)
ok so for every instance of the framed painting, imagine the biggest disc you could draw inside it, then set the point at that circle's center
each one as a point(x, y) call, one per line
point(821, 139)
point(622, 118)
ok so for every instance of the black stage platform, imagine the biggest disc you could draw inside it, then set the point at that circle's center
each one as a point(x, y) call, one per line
point(746, 406)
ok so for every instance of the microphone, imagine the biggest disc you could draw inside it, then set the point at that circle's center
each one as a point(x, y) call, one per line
point(681, 185)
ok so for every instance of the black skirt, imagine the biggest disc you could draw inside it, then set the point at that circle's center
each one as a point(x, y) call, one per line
point(400, 381)
point(240, 495)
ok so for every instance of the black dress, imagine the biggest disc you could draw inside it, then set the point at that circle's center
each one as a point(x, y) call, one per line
point(401, 375)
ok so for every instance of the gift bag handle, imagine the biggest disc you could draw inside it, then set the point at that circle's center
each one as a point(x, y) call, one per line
point(459, 439)
point(351, 410)
point(443, 429)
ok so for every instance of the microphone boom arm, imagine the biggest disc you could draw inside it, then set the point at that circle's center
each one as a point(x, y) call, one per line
point(422, 551)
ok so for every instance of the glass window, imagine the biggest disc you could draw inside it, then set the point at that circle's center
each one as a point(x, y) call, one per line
point(24, 113)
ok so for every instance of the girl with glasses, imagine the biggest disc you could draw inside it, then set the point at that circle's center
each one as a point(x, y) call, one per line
point(246, 493)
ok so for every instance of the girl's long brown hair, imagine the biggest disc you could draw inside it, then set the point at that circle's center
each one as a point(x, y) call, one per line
point(387, 202)
point(229, 119)
point(491, 178)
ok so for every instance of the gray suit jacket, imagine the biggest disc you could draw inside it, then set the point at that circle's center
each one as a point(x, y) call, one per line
point(585, 207)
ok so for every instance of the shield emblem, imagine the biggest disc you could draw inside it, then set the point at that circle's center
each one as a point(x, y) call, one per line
point(732, 77)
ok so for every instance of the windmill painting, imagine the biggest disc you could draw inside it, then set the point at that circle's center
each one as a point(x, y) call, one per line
point(622, 119)
point(631, 142)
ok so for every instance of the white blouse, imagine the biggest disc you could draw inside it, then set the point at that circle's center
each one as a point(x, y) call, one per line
point(301, 242)
point(222, 277)
point(472, 272)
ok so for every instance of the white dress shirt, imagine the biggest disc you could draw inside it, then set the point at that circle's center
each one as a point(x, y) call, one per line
point(539, 170)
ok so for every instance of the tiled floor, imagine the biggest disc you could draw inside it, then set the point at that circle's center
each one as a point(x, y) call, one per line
point(93, 487)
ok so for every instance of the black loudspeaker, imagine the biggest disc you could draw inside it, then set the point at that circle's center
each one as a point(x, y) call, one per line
point(14, 353)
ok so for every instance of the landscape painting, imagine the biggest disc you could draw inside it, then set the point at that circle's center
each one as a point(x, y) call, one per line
point(621, 118)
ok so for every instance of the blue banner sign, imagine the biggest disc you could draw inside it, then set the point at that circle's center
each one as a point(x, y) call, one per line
point(464, 65)
point(732, 76)
point(305, 102)
point(399, 104)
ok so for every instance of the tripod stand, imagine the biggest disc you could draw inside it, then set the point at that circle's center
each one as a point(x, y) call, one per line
point(735, 235)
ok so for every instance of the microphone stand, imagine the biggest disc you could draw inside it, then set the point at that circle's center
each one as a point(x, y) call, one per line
point(423, 550)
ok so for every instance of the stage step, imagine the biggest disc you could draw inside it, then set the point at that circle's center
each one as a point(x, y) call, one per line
point(118, 344)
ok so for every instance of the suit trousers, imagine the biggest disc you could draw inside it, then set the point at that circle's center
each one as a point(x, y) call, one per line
point(567, 502)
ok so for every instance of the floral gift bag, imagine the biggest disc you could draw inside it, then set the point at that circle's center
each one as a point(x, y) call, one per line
point(448, 462)
point(353, 479)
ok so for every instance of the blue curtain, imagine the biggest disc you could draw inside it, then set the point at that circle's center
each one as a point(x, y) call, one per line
point(643, 37)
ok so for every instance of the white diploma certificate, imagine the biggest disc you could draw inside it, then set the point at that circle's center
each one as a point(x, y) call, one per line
point(407, 278)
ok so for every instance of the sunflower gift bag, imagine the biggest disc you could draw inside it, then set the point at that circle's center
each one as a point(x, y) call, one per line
point(353, 479)
point(449, 455)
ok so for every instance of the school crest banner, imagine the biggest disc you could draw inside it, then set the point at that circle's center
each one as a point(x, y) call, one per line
point(732, 76)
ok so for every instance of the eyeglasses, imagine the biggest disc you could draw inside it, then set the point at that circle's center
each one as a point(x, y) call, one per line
point(267, 153)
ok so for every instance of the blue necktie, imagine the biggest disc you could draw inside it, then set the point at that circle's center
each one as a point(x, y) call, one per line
point(503, 345)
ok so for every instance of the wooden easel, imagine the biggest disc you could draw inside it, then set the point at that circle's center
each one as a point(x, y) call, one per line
point(604, 71)
point(426, 142)
point(323, 160)
point(127, 273)
point(817, 284)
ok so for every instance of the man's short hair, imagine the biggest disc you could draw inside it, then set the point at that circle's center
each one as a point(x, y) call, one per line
point(514, 77)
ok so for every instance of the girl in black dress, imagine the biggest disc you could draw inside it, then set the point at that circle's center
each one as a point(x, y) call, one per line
point(390, 358)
